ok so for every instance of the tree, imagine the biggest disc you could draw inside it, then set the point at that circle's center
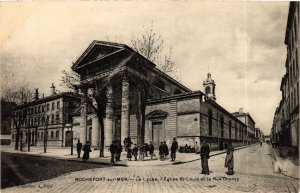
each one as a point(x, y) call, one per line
point(20, 93)
point(150, 44)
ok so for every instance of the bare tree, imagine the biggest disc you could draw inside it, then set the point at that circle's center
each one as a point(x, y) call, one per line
point(20, 93)
point(151, 44)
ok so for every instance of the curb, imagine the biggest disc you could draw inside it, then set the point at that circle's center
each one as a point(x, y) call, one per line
point(242, 147)
point(69, 160)
point(123, 165)
point(280, 168)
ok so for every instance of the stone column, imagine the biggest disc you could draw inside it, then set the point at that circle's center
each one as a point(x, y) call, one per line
point(108, 133)
point(95, 129)
point(125, 110)
point(83, 122)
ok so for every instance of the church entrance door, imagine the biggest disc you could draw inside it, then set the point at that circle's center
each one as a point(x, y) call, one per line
point(157, 134)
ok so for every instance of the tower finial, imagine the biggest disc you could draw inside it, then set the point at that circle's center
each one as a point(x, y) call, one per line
point(209, 87)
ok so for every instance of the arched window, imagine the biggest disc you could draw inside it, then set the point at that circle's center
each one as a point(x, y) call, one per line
point(222, 126)
point(241, 132)
point(207, 90)
point(209, 122)
point(236, 131)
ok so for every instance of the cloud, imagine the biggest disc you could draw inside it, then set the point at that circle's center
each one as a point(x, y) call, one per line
point(239, 43)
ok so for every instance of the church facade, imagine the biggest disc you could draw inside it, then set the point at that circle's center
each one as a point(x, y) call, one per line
point(172, 110)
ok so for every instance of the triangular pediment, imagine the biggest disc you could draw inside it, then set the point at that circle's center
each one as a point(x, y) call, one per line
point(157, 114)
point(97, 50)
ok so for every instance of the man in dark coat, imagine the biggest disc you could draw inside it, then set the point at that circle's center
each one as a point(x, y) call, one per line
point(174, 148)
point(112, 149)
point(161, 151)
point(229, 161)
point(166, 149)
point(79, 146)
point(151, 150)
point(86, 151)
point(204, 153)
point(135, 152)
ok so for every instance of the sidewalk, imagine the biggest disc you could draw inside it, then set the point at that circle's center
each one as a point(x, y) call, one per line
point(64, 153)
point(287, 167)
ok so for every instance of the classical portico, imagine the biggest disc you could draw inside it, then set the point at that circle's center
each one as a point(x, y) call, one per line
point(113, 66)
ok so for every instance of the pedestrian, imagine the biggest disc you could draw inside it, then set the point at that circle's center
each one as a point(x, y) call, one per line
point(161, 151)
point(166, 149)
point(151, 150)
point(86, 151)
point(146, 148)
point(196, 147)
point(174, 148)
point(112, 149)
point(79, 146)
point(135, 152)
point(118, 150)
point(229, 161)
point(129, 153)
point(260, 143)
point(204, 153)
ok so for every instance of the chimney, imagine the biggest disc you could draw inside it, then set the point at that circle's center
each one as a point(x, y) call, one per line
point(43, 95)
point(240, 110)
point(52, 89)
point(36, 94)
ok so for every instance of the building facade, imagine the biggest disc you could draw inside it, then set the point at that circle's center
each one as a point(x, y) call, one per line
point(285, 128)
point(47, 116)
point(250, 124)
point(172, 110)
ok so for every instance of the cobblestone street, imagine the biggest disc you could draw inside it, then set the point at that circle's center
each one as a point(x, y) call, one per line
point(253, 173)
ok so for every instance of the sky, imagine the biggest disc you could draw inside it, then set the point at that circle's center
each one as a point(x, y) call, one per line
point(240, 43)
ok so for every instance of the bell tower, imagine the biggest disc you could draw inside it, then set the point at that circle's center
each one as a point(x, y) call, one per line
point(209, 87)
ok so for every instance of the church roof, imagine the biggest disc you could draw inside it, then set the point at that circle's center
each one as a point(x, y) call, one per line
point(101, 51)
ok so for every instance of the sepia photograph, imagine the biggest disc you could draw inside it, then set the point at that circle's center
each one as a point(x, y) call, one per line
point(149, 96)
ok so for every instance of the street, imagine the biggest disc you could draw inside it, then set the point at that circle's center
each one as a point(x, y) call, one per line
point(22, 169)
point(253, 173)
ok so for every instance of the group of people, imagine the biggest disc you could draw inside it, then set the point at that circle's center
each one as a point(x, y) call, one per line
point(86, 150)
point(164, 150)
point(229, 160)
point(144, 151)
point(116, 149)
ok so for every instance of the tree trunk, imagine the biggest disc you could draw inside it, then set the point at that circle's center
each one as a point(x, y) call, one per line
point(28, 140)
point(17, 139)
point(45, 140)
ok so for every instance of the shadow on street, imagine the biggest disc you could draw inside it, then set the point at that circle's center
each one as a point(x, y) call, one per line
point(19, 169)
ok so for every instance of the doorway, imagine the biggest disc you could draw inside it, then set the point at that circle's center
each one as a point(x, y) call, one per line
point(157, 134)
point(68, 139)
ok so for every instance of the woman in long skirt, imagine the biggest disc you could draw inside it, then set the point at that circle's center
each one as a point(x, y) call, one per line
point(86, 151)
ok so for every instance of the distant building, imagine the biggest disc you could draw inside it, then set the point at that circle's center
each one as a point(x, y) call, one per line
point(285, 128)
point(249, 122)
point(47, 116)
